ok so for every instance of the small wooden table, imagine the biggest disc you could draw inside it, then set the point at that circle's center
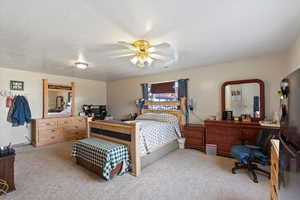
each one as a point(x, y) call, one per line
point(7, 171)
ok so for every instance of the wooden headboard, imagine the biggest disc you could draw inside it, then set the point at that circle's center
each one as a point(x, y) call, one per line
point(179, 113)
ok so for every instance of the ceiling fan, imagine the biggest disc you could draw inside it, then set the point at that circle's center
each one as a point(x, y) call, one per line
point(143, 54)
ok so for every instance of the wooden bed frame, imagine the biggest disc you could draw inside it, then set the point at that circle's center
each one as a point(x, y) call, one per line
point(128, 133)
point(179, 113)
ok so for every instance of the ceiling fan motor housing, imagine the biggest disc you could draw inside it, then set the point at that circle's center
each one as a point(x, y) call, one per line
point(143, 47)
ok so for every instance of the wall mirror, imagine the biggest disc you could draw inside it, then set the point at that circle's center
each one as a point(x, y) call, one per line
point(59, 100)
point(244, 97)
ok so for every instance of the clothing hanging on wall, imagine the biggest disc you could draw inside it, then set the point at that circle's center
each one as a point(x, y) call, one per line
point(9, 101)
point(19, 113)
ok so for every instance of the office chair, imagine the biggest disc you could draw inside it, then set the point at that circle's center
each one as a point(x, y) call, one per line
point(248, 155)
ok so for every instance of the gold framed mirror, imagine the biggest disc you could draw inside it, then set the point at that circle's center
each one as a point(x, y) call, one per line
point(58, 100)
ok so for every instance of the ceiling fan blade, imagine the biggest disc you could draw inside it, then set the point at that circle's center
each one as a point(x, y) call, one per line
point(127, 45)
point(149, 61)
point(161, 45)
point(158, 57)
point(124, 55)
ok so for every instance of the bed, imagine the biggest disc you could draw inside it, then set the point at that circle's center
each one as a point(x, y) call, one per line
point(150, 137)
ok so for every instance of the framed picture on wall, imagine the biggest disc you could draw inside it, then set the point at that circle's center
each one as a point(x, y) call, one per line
point(17, 85)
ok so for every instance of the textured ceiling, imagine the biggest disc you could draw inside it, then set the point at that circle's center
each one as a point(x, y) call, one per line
point(48, 35)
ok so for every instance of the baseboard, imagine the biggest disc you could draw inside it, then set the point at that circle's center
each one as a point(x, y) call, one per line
point(21, 145)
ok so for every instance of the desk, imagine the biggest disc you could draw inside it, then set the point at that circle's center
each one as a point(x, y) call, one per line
point(225, 134)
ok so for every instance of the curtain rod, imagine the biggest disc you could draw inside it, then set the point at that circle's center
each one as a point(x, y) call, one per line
point(166, 81)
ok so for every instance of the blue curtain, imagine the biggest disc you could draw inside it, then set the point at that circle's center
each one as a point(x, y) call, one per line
point(145, 95)
point(183, 92)
point(145, 91)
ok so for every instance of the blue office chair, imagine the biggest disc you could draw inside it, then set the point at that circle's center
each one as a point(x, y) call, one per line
point(248, 155)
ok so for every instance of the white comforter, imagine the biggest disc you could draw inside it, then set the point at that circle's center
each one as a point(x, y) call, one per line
point(156, 133)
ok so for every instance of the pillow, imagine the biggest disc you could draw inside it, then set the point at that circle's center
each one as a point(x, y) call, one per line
point(163, 117)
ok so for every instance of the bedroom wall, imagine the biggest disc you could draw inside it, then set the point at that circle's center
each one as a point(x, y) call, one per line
point(294, 56)
point(88, 92)
point(204, 85)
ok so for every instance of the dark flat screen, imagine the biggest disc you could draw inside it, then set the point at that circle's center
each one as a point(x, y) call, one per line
point(291, 124)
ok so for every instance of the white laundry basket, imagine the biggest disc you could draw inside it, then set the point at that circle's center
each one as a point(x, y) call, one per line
point(211, 149)
point(181, 142)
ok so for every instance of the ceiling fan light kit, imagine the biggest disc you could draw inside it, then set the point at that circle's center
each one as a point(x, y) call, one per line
point(143, 52)
point(81, 65)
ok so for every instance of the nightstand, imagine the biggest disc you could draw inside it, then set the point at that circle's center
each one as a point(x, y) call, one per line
point(7, 171)
point(195, 136)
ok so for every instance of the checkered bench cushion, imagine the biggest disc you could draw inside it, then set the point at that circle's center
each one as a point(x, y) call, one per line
point(102, 153)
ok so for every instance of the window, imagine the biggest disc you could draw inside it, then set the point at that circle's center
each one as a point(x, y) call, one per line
point(167, 91)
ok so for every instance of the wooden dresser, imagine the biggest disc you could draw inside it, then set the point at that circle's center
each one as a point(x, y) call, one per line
point(274, 169)
point(225, 134)
point(195, 136)
point(54, 130)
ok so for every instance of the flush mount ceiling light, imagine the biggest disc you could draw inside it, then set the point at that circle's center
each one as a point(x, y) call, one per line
point(144, 53)
point(81, 65)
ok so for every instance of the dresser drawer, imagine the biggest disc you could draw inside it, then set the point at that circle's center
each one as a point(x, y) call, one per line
point(46, 132)
point(50, 137)
point(74, 134)
point(47, 124)
point(65, 122)
point(79, 121)
point(79, 134)
point(193, 142)
point(79, 127)
point(193, 134)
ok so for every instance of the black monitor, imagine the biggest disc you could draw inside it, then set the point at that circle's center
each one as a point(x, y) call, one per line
point(98, 111)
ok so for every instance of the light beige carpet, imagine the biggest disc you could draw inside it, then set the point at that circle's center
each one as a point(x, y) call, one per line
point(50, 173)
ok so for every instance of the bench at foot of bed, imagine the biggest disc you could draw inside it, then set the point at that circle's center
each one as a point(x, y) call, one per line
point(102, 157)
point(98, 170)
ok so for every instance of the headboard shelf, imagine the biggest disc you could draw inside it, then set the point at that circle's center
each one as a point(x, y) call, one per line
point(162, 103)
